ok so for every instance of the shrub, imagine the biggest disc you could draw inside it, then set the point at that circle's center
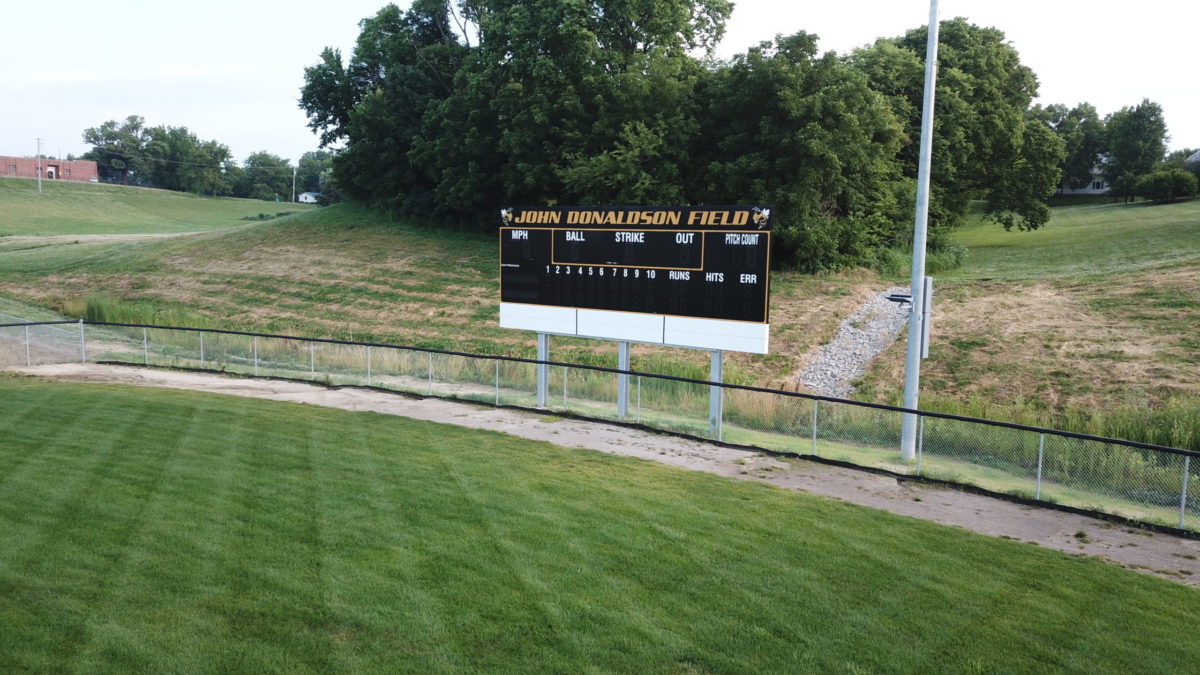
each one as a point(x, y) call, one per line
point(1166, 185)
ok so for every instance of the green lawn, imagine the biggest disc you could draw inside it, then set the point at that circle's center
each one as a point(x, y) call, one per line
point(93, 208)
point(1087, 240)
point(187, 532)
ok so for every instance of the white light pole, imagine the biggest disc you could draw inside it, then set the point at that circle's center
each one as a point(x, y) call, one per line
point(293, 185)
point(912, 365)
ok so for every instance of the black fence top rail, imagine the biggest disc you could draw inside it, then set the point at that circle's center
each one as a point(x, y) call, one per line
point(617, 371)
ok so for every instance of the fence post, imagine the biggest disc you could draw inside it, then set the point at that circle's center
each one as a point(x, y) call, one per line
point(82, 344)
point(256, 356)
point(1187, 460)
point(566, 373)
point(430, 354)
point(920, 442)
point(716, 394)
point(368, 365)
point(623, 379)
point(145, 347)
point(816, 403)
point(27, 360)
point(201, 349)
point(312, 359)
point(543, 370)
point(1037, 494)
point(497, 383)
point(639, 399)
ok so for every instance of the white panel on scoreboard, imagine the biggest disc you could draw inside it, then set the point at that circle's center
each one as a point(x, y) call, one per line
point(735, 336)
point(621, 326)
point(540, 318)
point(676, 331)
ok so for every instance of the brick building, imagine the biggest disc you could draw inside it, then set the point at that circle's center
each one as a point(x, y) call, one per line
point(52, 169)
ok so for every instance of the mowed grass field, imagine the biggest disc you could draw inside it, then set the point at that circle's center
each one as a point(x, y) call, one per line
point(67, 208)
point(187, 532)
point(1089, 240)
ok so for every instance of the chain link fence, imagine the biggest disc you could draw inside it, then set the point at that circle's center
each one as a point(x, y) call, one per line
point(1142, 482)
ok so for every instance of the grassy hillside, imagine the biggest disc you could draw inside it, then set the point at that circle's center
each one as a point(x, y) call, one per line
point(94, 208)
point(1095, 312)
point(1092, 240)
point(350, 272)
point(189, 532)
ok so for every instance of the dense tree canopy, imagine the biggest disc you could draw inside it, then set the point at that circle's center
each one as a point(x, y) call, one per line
point(447, 112)
point(309, 168)
point(985, 146)
point(179, 160)
point(264, 176)
point(174, 158)
point(1081, 130)
point(118, 149)
point(814, 141)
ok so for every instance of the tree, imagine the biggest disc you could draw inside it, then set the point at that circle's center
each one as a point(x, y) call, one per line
point(179, 160)
point(981, 148)
point(807, 135)
point(328, 187)
point(1019, 198)
point(1082, 132)
point(1137, 139)
point(557, 95)
point(264, 176)
point(309, 168)
point(1166, 185)
point(402, 62)
point(118, 149)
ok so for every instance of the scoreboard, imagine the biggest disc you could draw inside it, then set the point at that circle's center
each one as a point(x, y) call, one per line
point(697, 262)
point(685, 276)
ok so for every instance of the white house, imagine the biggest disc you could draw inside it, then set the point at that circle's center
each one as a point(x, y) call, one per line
point(1097, 186)
point(309, 197)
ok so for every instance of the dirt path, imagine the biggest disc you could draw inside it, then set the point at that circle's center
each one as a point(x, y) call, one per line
point(23, 240)
point(1153, 553)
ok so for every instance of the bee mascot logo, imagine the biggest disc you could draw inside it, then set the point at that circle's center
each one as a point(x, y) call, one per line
point(761, 216)
point(506, 216)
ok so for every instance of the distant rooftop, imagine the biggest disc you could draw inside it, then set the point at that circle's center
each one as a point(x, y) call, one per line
point(1194, 159)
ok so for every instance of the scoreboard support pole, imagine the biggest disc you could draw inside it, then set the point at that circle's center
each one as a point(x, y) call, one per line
point(716, 395)
point(623, 379)
point(543, 370)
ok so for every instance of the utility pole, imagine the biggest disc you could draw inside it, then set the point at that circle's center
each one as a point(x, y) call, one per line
point(912, 364)
point(39, 164)
point(293, 185)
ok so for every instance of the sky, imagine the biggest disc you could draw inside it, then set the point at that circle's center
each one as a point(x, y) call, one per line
point(232, 71)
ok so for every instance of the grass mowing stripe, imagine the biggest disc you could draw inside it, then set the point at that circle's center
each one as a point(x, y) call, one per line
point(361, 483)
point(427, 548)
point(90, 519)
point(112, 642)
point(265, 549)
point(19, 423)
point(513, 561)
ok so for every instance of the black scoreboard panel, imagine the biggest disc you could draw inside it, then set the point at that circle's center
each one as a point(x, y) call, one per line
point(694, 262)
